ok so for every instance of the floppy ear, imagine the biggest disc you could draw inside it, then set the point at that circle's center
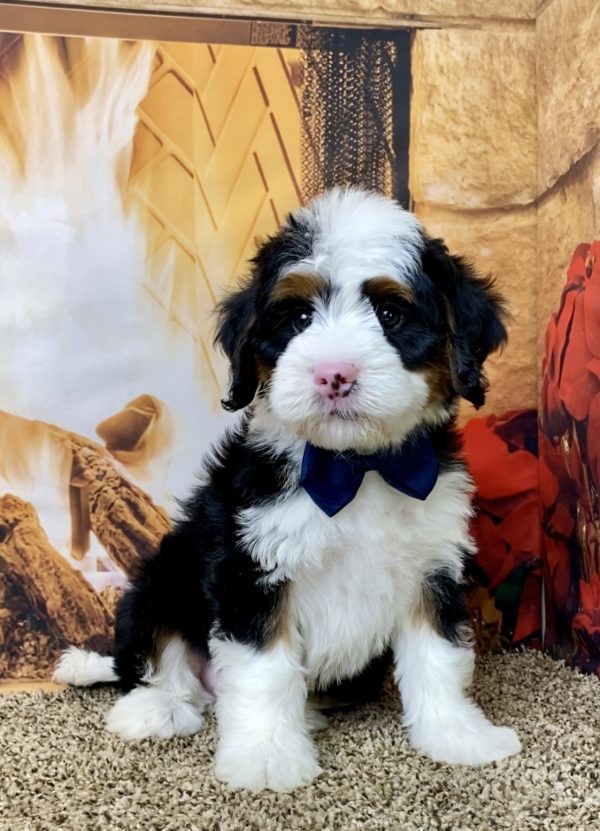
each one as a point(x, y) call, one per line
point(476, 313)
point(235, 318)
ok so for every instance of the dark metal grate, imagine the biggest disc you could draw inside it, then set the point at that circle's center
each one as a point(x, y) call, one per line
point(355, 106)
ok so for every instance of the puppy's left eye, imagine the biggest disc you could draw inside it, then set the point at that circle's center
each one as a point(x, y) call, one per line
point(301, 319)
point(390, 315)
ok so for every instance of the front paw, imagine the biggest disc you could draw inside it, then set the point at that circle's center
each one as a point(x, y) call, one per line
point(277, 765)
point(471, 742)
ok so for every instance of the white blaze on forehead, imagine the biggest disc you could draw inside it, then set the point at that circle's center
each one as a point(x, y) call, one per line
point(357, 235)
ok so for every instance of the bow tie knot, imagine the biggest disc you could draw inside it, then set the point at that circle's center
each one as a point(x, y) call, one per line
point(332, 478)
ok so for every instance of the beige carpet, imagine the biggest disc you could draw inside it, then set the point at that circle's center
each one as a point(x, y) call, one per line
point(59, 769)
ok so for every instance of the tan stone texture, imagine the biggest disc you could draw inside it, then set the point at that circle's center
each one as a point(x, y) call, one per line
point(350, 11)
point(502, 243)
point(568, 85)
point(567, 216)
point(473, 131)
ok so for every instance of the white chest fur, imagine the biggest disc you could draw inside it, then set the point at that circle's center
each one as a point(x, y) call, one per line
point(354, 576)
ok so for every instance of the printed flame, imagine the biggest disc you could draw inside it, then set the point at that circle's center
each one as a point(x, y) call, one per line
point(87, 345)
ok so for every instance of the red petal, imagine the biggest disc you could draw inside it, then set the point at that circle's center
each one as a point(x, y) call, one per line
point(563, 320)
point(593, 366)
point(577, 386)
point(502, 506)
point(491, 550)
point(554, 417)
point(529, 619)
point(517, 428)
point(594, 252)
point(562, 521)
point(591, 304)
point(591, 591)
point(593, 440)
point(584, 622)
point(512, 561)
point(557, 567)
point(548, 484)
point(521, 528)
point(497, 473)
point(576, 270)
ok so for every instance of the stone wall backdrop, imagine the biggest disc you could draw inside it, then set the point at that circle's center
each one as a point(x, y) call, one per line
point(473, 173)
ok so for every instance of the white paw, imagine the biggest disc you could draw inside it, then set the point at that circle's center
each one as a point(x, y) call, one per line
point(278, 768)
point(473, 742)
point(315, 719)
point(146, 712)
point(81, 668)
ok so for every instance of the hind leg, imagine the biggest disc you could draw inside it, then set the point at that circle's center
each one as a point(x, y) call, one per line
point(169, 703)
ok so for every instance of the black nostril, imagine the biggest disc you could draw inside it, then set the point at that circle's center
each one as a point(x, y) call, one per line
point(335, 385)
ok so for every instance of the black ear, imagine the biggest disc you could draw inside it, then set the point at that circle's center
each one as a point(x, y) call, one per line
point(235, 318)
point(475, 312)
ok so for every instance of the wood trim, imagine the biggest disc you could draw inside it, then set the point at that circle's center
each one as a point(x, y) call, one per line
point(17, 685)
point(224, 21)
point(115, 23)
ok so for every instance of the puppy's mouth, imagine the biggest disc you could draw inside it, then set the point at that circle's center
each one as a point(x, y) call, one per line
point(343, 406)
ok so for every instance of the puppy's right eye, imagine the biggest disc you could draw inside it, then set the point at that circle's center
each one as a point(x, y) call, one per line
point(289, 316)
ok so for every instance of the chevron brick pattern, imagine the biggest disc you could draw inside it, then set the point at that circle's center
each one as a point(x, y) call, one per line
point(215, 167)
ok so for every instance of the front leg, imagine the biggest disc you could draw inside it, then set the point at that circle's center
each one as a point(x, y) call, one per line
point(434, 667)
point(264, 739)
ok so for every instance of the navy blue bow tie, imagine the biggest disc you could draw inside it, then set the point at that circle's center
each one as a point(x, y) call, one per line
point(332, 479)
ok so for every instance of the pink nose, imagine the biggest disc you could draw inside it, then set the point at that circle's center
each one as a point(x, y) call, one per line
point(334, 379)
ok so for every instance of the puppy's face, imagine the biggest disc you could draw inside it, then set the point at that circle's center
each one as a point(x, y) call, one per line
point(355, 327)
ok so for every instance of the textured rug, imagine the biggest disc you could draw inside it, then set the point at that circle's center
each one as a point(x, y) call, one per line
point(59, 769)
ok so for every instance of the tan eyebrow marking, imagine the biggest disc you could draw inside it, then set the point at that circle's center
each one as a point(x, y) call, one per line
point(299, 287)
point(381, 287)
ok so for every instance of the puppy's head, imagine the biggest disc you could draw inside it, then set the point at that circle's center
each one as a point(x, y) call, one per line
point(354, 326)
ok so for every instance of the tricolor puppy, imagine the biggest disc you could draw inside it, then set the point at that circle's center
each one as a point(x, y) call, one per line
point(333, 524)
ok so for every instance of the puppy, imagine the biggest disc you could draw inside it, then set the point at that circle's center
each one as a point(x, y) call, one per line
point(333, 523)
